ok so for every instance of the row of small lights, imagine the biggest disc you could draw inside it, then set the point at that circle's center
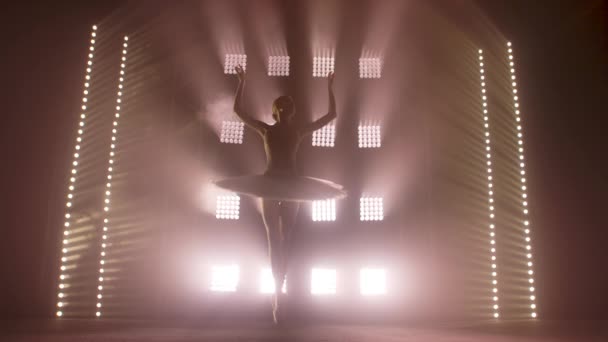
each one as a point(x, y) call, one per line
point(61, 301)
point(372, 281)
point(522, 171)
point(371, 208)
point(484, 98)
point(279, 65)
point(369, 136)
point(108, 192)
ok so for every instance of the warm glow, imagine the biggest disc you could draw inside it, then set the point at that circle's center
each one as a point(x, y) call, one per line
point(372, 281)
point(371, 209)
point(323, 281)
point(224, 278)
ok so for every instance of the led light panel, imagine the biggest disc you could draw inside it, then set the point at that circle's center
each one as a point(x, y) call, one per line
point(224, 278)
point(370, 68)
point(227, 207)
point(372, 281)
point(232, 132)
point(321, 66)
point(324, 210)
point(325, 136)
point(369, 136)
point(278, 66)
point(371, 209)
point(232, 60)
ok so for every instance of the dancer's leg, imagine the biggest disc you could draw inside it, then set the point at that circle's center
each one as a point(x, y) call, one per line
point(272, 221)
point(289, 213)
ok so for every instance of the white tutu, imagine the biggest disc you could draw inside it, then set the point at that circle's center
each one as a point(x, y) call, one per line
point(290, 188)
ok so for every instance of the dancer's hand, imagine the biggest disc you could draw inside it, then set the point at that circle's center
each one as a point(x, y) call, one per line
point(330, 79)
point(240, 72)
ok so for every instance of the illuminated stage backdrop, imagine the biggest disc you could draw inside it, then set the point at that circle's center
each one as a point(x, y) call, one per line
point(428, 142)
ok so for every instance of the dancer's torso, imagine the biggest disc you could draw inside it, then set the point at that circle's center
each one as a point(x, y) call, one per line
point(281, 145)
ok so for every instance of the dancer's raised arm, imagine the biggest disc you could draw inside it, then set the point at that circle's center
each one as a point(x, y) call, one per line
point(259, 126)
point(331, 113)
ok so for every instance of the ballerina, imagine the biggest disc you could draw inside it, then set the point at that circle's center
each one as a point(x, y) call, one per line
point(280, 188)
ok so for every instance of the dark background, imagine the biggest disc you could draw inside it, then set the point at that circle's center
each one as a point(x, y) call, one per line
point(562, 49)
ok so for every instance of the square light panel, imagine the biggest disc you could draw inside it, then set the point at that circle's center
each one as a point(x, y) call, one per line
point(324, 136)
point(324, 210)
point(321, 66)
point(278, 66)
point(232, 60)
point(227, 207)
point(372, 281)
point(370, 68)
point(371, 209)
point(369, 136)
point(323, 281)
point(232, 132)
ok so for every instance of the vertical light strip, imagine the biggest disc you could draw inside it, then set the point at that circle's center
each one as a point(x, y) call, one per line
point(64, 277)
point(106, 208)
point(492, 226)
point(524, 194)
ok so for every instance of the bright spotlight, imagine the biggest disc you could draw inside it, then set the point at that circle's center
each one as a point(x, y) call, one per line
point(324, 210)
point(224, 278)
point(227, 207)
point(369, 136)
point(321, 66)
point(370, 68)
point(232, 132)
point(232, 60)
point(325, 136)
point(372, 281)
point(278, 65)
point(371, 209)
point(267, 285)
point(323, 281)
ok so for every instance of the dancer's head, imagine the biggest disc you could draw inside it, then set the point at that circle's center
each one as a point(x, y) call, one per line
point(283, 109)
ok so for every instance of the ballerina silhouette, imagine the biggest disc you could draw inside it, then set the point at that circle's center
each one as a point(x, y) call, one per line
point(280, 188)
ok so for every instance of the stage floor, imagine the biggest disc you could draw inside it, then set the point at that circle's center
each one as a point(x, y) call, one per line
point(136, 331)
